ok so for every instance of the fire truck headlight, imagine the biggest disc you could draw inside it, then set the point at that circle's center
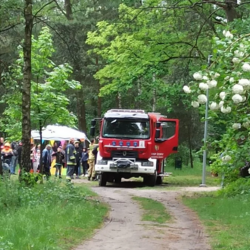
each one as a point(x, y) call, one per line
point(102, 162)
point(147, 163)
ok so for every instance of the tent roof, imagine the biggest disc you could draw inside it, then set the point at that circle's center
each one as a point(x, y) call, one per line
point(58, 133)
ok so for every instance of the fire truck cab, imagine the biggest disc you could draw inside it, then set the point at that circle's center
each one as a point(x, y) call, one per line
point(133, 143)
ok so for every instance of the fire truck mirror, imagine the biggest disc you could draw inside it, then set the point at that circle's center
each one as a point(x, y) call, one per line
point(157, 133)
point(92, 131)
point(158, 125)
point(93, 123)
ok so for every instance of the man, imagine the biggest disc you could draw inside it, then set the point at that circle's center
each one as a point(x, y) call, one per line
point(91, 160)
point(78, 158)
point(19, 153)
point(46, 160)
point(59, 157)
point(70, 156)
point(13, 164)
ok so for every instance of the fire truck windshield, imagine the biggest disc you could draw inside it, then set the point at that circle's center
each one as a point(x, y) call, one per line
point(126, 128)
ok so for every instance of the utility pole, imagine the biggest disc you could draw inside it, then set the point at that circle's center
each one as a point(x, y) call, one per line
point(203, 184)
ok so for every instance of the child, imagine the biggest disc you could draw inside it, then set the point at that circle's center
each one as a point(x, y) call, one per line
point(59, 161)
point(85, 157)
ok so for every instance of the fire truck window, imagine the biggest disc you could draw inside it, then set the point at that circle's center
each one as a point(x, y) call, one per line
point(125, 128)
point(168, 129)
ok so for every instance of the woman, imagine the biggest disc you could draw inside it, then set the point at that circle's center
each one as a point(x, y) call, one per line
point(6, 154)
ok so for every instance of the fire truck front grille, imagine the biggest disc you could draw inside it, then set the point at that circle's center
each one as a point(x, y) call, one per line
point(124, 154)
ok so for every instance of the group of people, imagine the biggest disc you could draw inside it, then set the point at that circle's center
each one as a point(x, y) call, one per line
point(10, 155)
point(75, 157)
point(71, 155)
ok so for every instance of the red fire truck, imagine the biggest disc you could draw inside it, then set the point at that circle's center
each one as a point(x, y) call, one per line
point(133, 143)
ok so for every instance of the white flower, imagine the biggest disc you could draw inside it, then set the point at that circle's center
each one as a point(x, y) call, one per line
point(222, 95)
point(213, 106)
point(221, 103)
point(236, 126)
point(238, 53)
point(243, 98)
point(216, 75)
point(231, 80)
point(202, 99)
point(226, 158)
point(237, 89)
point(226, 78)
point(242, 46)
point(236, 60)
point(246, 124)
point(205, 78)
point(225, 110)
point(237, 98)
point(197, 76)
point(203, 86)
point(212, 84)
point(186, 89)
point(244, 82)
point(246, 67)
point(227, 34)
point(195, 104)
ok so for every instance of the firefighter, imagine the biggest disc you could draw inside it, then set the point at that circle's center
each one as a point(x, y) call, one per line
point(91, 160)
point(70, 156)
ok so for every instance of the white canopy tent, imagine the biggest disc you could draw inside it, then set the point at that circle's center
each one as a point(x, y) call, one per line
point(58, 133)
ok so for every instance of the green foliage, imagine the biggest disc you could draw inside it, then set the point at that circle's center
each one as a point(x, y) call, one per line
point(191, 177)
point(48, 216)
point(49, 83)
point(239, 187)
point(228, 81)
point(226, 219)
point(30, 179)
point(139, 46)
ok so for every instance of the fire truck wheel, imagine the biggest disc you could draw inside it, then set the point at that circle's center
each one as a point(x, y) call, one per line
point(152, 180)
point(159, 180)
point(103, 180)
point(118, 179)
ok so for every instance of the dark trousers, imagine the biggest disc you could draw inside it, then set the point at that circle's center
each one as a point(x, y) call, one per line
point(58, 169)
point(85, 167)
point(76, 169)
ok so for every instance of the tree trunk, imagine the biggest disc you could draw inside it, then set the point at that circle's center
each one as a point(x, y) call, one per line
point(230, 10)
point(119, 100)
point(99, 101)
point(154, 95)
point(190, 145)
point(68, 9)
point(81, 112)
point(26, 100)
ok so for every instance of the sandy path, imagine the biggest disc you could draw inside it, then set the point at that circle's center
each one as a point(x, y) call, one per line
point(125, 231)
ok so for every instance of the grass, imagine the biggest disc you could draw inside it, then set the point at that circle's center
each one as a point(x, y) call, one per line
point(227, 220)
point(153, 211)
point(54, 215)
point(190, 177)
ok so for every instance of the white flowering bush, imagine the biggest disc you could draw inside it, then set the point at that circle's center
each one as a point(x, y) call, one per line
point(227, 80)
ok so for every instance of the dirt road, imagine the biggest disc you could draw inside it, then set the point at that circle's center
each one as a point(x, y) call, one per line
point(124, 229)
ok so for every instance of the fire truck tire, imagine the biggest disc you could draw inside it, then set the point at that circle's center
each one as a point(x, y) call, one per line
point(151, 180)
point(118, 179)
point(103, 180)
point(159, 180)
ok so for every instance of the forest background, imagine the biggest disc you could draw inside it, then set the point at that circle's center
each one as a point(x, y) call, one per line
point(69, 61)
